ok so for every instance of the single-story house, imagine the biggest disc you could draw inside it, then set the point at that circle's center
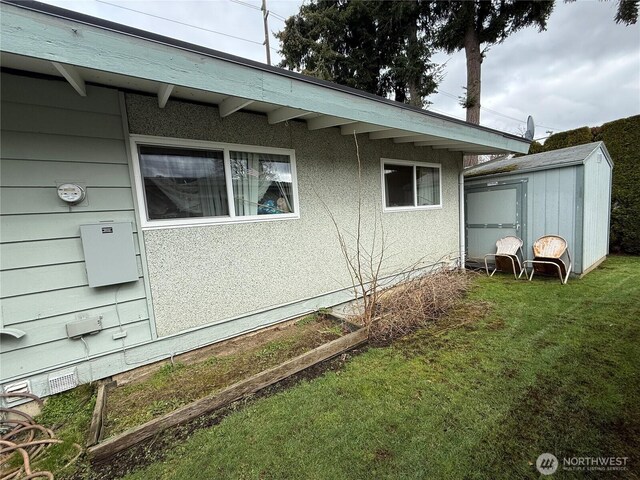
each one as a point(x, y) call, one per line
point(564, 192)
point(158, 196)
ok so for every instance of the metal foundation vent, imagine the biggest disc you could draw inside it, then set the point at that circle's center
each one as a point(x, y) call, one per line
point(19, 387)
point(61, 381)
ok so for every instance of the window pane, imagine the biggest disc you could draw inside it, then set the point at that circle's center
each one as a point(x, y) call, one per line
point(428, 185)
point(262, 183)
point(183, 183)
point(398, 185)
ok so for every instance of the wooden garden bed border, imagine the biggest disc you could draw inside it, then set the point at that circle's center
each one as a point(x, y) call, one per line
point(134, 435)
point(97, 418)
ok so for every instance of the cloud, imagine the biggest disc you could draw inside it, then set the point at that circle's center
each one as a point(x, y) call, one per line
point(584, 70)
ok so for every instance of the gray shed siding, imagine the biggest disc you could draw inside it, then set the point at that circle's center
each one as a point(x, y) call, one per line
point(554, 209)
point(569, 194)
point(551, 207)
point(213, 274)
point(50, 135)
point(597, 199)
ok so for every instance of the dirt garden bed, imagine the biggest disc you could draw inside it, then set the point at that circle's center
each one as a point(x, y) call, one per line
point(140, 405)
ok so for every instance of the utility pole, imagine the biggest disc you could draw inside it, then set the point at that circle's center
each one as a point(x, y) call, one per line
point(265, 15)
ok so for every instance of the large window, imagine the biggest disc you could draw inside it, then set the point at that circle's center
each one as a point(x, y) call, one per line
point(188, 182)
point(183, 183)
point(410, 185)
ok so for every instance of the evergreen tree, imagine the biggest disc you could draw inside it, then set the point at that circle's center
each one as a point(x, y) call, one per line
point(627, 11)
point(469, 25)
point(379, 47)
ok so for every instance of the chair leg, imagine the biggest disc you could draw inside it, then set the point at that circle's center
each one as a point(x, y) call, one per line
point(486, 267)
point(563, 278)
point(566, 278)
point(520, 267)
point(523, 270)
point(560, 274)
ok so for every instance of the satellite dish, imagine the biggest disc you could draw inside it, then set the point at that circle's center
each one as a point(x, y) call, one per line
point(531, 128)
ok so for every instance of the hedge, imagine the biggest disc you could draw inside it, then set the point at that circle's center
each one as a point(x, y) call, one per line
point(622, 139)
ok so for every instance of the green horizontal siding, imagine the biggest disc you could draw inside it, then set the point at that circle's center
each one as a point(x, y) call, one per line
point(54, 329)
point(19, 173)
point(21, 200)
point(35, 118)
point(44, 146)
point(58, 94)
point(51, 135)
point(29, 308)
point(65, 351)
point(23, 228)
point(44, 252)
point(25, 281)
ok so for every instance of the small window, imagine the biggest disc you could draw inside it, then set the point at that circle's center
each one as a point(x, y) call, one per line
point(410, 185)
point(262, 183)
point(193, 183)
point(428, 186)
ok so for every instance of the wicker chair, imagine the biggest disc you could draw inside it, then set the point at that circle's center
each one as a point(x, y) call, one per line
point(548, 253)
point(506, 257)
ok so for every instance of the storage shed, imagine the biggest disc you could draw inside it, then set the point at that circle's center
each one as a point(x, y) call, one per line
point(564, 192)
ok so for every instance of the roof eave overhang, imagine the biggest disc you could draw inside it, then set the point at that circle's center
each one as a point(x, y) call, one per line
point(41, 35)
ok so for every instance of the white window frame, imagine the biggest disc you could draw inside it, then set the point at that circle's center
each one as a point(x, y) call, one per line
point(414, 164)
point(147, 224)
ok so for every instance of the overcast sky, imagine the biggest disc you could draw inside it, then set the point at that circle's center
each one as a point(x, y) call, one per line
point(583, 70)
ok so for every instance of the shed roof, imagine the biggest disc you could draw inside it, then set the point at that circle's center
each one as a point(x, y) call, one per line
point(538, 161)
point(48, 40)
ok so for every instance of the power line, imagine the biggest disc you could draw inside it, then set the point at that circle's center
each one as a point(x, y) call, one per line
point(455, 97)
point(254, 7)
point(451, 95)
point(183, 23)
point(283, 19)
point(448, 94)
point(278, 16)
point(444, 113)
point(246, 4)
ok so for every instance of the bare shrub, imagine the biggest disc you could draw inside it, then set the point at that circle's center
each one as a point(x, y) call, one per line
point(364, 263)
point(415, 303)
point(391, 313)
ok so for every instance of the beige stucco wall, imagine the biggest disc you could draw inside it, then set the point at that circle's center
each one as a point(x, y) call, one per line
point(200, 275)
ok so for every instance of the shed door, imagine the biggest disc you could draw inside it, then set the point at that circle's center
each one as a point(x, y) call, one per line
point(492, 212)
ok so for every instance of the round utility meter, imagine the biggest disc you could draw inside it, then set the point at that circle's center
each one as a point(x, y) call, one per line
point(71, 193)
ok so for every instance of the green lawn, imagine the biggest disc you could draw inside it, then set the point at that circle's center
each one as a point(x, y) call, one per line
point(549, 368)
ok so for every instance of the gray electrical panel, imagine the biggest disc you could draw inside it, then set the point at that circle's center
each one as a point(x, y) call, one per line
point(109, 253)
